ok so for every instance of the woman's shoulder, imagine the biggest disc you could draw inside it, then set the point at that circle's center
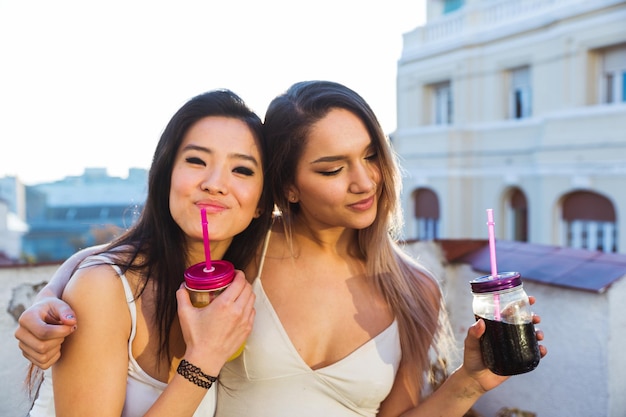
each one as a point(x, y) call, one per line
point(98, 274)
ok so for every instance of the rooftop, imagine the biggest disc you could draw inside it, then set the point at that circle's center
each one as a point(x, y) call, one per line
point(554, 265)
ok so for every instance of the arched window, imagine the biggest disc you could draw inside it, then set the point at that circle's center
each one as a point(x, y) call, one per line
point(590, 221)
point(518, 206)
point(426, 213)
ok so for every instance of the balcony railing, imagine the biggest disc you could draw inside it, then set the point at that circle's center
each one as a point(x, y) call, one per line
point(483, 17)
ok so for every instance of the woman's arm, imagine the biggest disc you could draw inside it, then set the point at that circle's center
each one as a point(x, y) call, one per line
point(45, 325)
point(460, 391)
point(90, 377)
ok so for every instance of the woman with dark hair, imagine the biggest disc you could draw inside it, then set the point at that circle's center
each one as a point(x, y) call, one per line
point(132, 355)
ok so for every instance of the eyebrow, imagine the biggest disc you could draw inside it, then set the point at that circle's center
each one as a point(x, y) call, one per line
point(329, 159)
point(335, 158)
point(235, 155)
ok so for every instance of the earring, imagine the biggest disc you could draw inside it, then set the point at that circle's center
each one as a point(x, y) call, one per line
point(293, 199)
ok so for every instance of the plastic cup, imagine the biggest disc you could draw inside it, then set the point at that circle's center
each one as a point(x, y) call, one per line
point(509, 345)
point(204, 285)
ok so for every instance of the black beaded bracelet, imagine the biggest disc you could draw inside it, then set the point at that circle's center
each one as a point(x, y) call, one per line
point(195, 374)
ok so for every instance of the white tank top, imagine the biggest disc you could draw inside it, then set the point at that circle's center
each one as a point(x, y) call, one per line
point(270, 378)
point(142, 390)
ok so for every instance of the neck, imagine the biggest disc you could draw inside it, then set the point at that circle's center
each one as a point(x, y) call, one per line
point(337, 240)
point(197, 255)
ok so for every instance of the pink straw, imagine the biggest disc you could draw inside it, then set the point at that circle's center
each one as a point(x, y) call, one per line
point(492, 251)
point(492, 243)
point(207, 245)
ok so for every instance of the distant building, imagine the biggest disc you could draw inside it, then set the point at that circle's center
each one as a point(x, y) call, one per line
point(80, 211)
point(519, 106)
point(12, 219)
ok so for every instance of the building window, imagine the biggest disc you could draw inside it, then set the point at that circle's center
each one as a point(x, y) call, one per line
point(590, 222)
point(613, 75)
point(518, 215)
point(442, 103)
point(426, 214)
point(520, 98)
point(452, 5)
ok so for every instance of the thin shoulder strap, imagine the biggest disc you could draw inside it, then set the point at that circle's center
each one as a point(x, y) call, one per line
point(265, 245)
point(103, 259)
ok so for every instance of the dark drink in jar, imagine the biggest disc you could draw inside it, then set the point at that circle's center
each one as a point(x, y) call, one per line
point(509, 345)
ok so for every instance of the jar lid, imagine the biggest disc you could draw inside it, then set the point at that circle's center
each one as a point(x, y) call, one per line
point(502, 281)
point(221, 275)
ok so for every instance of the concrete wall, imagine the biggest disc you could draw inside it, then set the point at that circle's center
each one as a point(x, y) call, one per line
point(15, 284)
point(584, 373)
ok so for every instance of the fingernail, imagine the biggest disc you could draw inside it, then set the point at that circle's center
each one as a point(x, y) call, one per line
point(69, 316)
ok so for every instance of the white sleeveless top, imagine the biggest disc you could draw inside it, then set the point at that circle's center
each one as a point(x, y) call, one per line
point(270, 378)
point(142, 390)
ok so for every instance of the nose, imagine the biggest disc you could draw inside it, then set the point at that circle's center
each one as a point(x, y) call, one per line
point(215, 182)
point(364, 178)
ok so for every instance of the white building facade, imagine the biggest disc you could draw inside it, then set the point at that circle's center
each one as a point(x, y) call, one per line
point(518, 106)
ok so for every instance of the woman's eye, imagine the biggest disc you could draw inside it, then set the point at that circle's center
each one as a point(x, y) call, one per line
point(331, 173)
point(194, 160)
point(372, 157)
point(244, 171)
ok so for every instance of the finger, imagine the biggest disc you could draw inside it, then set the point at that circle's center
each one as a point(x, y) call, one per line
point(543, 350)
point(252, 315)
point(182, 297)
point(243, 297)
point(531, 299)
point(34, 345)
point(539, 334)
point(477, 329)
point(249, 311)
point(60, 313)
point(239, 282)
point(231, 293)
point(51, 310)
point(35, 334)
point(42, 360)
point(536, 319)
point(50, 319)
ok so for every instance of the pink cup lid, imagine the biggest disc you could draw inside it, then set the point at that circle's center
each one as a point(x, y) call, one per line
point(198, 278)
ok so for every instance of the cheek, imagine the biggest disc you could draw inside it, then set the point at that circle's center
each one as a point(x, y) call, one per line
point(179, 190)
point(376, 173)
point(174, 195)
point(175, 203)
point(182, 182)
point(325, 194)
point(251, 195)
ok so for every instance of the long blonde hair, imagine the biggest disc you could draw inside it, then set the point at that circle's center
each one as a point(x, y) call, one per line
point(411, 291)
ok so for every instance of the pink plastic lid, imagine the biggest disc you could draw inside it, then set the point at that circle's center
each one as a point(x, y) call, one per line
point(198, 278)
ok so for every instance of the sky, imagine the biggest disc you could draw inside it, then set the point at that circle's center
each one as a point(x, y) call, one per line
point(93, 84)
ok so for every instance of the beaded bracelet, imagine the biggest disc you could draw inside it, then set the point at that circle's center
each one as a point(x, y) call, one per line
point(195, 374)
